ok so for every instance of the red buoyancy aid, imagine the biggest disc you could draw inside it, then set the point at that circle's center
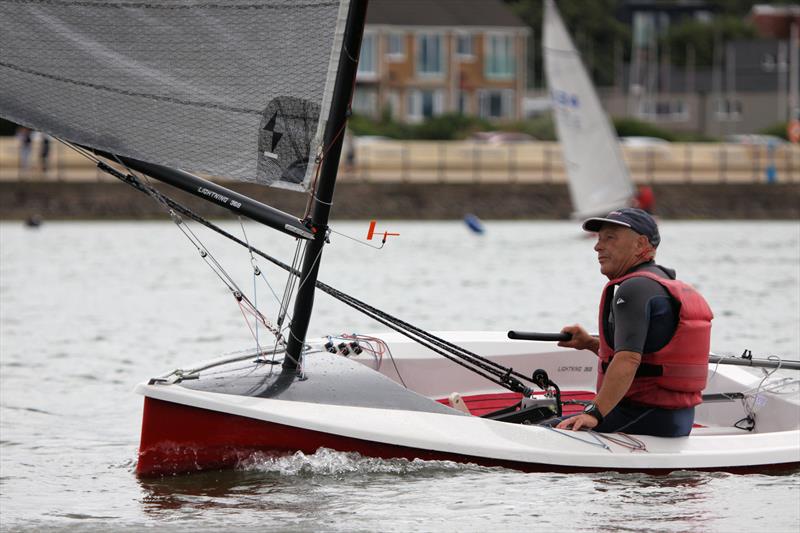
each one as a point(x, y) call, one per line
point(684, 360)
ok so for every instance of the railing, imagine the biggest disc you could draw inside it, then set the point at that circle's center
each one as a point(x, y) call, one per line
point(384, 161)
point(541, 162)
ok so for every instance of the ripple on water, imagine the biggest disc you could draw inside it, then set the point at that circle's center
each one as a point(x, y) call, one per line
point(327, 462)
point(75, 469)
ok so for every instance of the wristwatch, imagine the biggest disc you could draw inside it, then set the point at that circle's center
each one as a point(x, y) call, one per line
point(592, 410)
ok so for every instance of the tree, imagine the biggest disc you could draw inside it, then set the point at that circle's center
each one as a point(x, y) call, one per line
point(593, 27)
point(701, 36)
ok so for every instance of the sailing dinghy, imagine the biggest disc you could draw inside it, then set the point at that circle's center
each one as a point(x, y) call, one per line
point(259, 91)
point(598, 178)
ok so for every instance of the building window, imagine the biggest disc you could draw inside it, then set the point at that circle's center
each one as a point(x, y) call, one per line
point(726, 109)
point(464, 45)
point(367, 62)
point(664, 110)
point(396, 46)
point(499, 56)
point(430, 55)
point(365, 101)
point(496, 104)
point(393, 104)
point(424, 104)
point(463, 103)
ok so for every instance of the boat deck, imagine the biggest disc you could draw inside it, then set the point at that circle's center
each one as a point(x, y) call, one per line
point(481, 404)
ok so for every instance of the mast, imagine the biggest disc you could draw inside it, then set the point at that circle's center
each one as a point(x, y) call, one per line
point(323, 195)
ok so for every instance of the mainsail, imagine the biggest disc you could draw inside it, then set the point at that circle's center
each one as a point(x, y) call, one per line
point(598, 177)
point(239, 89)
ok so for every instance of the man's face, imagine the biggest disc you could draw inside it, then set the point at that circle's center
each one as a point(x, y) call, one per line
point(618, 249)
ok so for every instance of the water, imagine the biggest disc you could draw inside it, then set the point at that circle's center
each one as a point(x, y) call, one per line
point(89, 309)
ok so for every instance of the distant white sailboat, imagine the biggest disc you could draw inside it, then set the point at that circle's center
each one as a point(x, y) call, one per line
point(598, 177)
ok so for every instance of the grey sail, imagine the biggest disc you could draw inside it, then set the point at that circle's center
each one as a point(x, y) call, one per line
point(237, 89)
point(596, 172)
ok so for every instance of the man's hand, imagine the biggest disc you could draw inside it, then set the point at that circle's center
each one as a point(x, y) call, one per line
point(577, 422)
point(581, 340)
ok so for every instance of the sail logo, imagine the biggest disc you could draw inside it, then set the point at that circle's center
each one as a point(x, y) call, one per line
point(567, 106)
point(221, 198)
point(276, 136)
point(565, 99)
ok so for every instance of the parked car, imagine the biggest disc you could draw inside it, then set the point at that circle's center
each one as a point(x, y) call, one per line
point(501, 137)
point(644, 142)
point(755, 139)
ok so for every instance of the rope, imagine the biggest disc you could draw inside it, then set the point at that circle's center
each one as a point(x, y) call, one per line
point(490, 370)
point(205, 254)
point(751, 398)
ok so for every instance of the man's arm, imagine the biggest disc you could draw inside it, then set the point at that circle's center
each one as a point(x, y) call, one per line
point(617, 381)
point(581, 340)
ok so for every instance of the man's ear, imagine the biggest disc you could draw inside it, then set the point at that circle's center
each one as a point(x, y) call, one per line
point(645, 249)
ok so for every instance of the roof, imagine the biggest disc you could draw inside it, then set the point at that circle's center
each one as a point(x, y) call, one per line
point(442, 13)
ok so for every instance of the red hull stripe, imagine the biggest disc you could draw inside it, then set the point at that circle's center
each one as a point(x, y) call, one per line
point(178, 438)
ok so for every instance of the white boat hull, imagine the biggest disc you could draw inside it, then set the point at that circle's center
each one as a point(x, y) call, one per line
point(283, 426)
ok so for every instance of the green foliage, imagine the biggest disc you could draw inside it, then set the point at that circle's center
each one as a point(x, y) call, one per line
point(451, 126)
point(593, 27)
point(631, 127)
point(596, 32)
point(541, 128)
point(778, 130)
point(701, 37)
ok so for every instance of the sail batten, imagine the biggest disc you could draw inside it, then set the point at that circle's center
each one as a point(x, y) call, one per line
point(235, 89)
point(598, 177)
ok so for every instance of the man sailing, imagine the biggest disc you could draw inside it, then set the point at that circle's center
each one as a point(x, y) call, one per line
point(655, 335)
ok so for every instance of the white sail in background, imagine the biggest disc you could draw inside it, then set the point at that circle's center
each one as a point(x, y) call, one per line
point(598, 178)
point(235, 88)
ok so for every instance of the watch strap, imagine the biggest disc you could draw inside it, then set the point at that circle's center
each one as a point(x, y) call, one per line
point(592, 410)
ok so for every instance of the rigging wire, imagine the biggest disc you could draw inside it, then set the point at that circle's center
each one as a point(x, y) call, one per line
point(752, 401)
point(256, 272)
point(132, 179)
point(290, 283)
point(359, 241)
point(490, 370)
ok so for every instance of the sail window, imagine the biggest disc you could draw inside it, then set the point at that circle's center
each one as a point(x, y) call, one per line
point(430, 55)
point(499, 56)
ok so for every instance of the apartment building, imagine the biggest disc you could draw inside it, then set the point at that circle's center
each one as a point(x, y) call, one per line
point(420, 59)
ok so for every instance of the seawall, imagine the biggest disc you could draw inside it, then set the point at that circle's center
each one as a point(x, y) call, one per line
point(109, 200)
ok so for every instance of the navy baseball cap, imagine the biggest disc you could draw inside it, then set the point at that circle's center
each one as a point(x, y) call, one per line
point(636, 219)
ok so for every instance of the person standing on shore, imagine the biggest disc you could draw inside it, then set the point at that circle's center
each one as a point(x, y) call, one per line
point(655, 335)
point(44, 152)
point(25, 139)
